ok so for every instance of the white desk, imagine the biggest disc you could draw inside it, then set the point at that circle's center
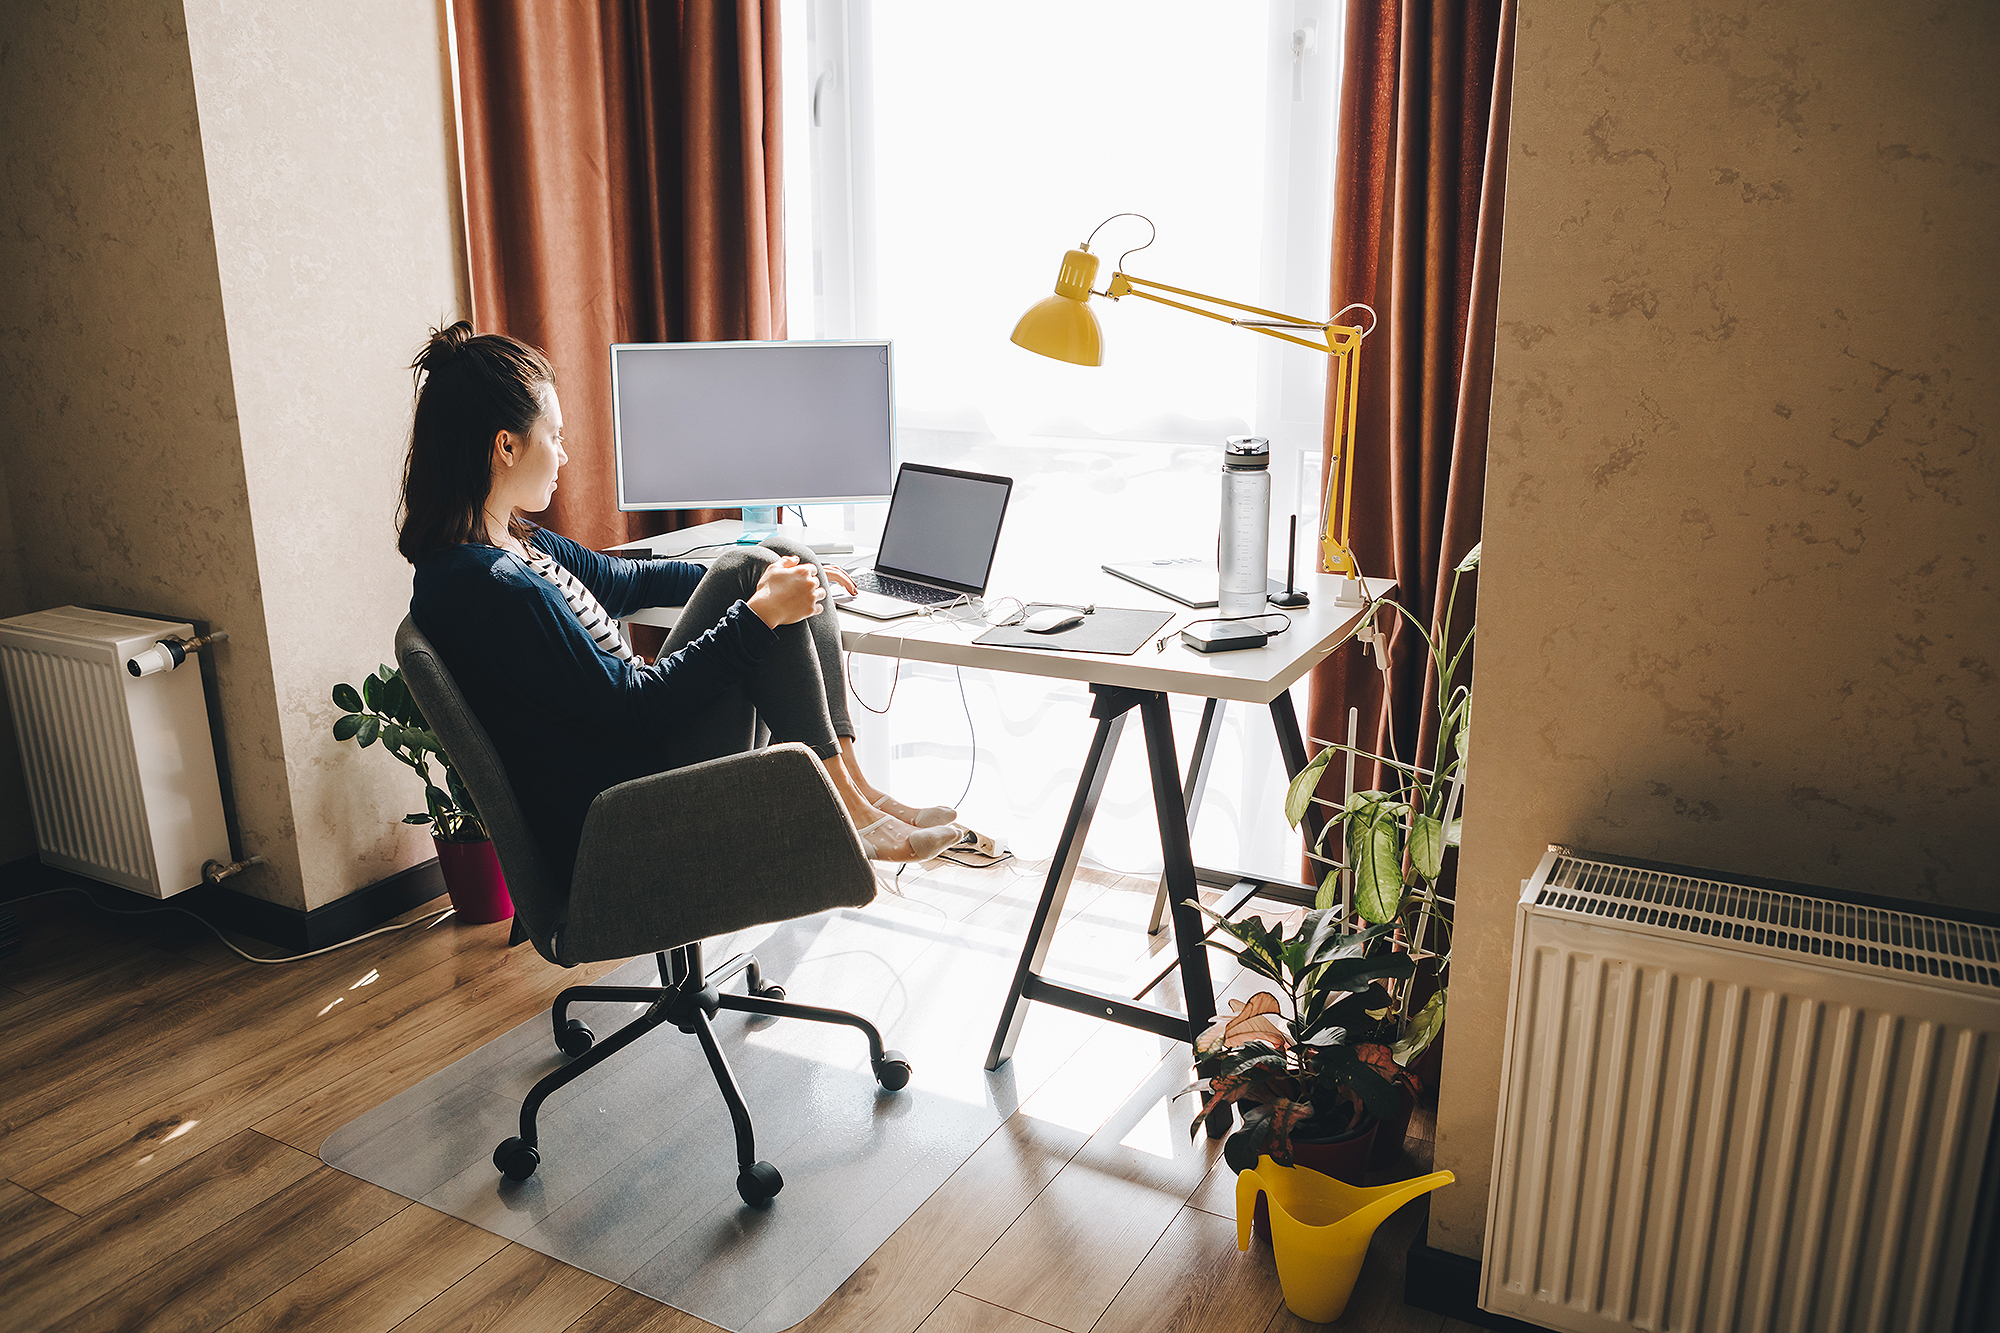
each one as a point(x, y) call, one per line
point(1120, 685)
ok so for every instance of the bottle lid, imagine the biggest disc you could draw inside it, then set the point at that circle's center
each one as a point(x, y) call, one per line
point(1246, 452)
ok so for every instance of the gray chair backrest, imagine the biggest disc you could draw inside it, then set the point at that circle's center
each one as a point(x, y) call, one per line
point(540, 901)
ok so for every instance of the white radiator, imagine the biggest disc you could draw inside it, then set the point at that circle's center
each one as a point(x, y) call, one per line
point(121, 770)
point(1726, 1108)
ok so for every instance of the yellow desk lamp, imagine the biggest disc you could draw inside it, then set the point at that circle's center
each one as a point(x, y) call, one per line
point(1064, 327)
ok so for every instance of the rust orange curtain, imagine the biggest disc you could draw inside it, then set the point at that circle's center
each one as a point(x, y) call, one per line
point(1419, 183)
point(624, 183)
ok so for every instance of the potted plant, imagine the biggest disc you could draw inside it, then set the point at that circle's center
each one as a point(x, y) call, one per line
point(1304, 1064)
point(383, 710)
point(1395, 843)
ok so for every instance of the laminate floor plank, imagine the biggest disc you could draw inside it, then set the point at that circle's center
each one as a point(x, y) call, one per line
point(98, 1003)
point(61, 942)
point(377, 1281)
point(53, 1279)
point(26, 1220)
point(626, 1311)
point(129, 1075)
point(904, 1281)
point(1089, 1210)
point(516, 1291)
point(960, 1313)
point(1066, 1257)
point(266, 1078)
point(205, 1284)
point(441, 1032)
point(1195, 1281)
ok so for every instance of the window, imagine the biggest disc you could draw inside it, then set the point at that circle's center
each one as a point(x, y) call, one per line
point(940, 158)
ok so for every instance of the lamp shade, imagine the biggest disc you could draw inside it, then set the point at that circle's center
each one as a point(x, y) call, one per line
point(1063, 326)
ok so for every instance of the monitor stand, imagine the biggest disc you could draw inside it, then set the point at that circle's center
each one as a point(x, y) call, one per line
point(729, 532)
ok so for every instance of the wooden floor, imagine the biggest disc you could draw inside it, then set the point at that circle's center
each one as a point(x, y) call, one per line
point(162, 1104)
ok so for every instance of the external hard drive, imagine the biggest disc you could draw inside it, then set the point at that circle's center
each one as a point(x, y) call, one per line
point(1223, 637)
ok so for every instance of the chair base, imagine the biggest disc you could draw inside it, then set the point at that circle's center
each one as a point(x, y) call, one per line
point(689, 999)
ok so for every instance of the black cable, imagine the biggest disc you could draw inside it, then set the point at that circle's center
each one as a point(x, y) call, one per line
point(433, 919)
point(1160, 644)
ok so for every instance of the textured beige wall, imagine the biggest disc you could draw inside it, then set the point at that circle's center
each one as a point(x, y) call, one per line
point(328, 139)
point(226, 229)
point(124, 473)
point(1738, 599)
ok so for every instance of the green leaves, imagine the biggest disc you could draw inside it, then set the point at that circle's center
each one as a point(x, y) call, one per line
point(1423, 1030)
point(1375, 854)
point(1298, 797)
point(1427, 843)
point(383, 709)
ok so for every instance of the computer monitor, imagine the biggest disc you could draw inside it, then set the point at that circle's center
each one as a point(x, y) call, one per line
point(723, 425)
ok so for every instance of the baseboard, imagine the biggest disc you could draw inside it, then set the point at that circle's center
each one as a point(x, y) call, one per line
point(290, 929)
point(1448, 1284)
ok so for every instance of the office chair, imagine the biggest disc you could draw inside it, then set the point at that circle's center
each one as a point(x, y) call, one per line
point(666, 861)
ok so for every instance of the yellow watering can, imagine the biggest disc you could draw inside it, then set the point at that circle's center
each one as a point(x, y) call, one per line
point(1320, 1228)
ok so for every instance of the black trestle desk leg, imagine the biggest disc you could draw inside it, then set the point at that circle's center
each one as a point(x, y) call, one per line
point(1292, 745)
point(1198, 988)
point(1192, 792)
point(1069, 850)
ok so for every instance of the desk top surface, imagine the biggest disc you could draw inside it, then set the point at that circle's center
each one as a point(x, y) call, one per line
point(1252, 675)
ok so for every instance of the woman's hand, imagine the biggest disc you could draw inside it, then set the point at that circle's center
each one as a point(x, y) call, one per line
point(841, 576)
point(788, 592)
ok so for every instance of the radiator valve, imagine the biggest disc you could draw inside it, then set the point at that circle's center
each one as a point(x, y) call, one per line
point(170, 653)
point(214, 872)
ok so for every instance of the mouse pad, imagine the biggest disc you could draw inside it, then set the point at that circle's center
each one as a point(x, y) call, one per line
point(1113, 630)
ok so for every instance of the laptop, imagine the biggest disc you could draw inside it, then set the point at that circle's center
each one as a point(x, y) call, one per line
point(937, 543)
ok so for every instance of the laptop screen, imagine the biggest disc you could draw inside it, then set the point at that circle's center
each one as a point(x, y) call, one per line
point(943, 526)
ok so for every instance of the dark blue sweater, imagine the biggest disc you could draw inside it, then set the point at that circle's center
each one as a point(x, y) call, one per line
point(568, 718)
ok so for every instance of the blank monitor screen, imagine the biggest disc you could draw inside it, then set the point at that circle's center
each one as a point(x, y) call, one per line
point(718, 425)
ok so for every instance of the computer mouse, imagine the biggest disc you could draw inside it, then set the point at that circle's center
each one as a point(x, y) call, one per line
point(1052, 621)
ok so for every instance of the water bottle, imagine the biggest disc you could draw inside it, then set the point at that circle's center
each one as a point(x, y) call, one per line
point(1244, 550)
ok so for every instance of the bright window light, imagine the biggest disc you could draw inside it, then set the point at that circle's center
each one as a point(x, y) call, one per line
point(939, 159)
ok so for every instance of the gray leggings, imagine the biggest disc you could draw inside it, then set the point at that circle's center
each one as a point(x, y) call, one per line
point(799, 690)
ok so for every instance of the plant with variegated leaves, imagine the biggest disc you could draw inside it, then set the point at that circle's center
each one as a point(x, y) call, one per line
point(1302, 1065)
point(1395, 841)
point(383, 710)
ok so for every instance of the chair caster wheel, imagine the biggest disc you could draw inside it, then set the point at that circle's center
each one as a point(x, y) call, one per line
point(771, 992)
point(575, 1038)
point(516, 1160)
point(758, 1183)
point(892, 1071)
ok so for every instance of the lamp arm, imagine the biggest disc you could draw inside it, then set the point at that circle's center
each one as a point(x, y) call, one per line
point(1334, 338)
point(1339, 341)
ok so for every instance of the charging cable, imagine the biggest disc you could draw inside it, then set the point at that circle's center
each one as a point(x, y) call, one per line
point(1160, 644)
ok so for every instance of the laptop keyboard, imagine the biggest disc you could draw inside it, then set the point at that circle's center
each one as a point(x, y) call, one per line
point(922, 594)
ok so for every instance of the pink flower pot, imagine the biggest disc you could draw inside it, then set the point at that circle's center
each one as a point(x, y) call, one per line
point(472, 877)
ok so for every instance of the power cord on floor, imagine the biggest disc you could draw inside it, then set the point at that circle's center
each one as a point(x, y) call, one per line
point(249, 957)
point(971, 735)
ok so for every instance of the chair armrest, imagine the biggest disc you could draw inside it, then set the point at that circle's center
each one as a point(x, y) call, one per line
point(715, 847)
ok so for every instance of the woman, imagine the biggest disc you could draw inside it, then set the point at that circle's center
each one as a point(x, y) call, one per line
point(525, 619)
